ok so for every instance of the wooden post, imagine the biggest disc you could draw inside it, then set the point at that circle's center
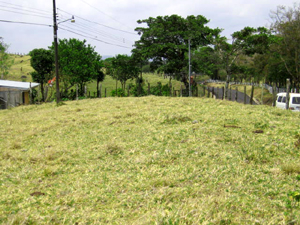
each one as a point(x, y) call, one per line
point(76, 91)
point(148, 88)
point(181, 90)
point(197, 92)
point(30, 94)
point(223, 93)
point(288, 84)
point(262, 94)
point(207, 92)
point(204, 91)
point(252, 92)
point(8, 98)
point(85, 91)
point(274, 95)
point(100, 91)
point(230, 93)
point(245, 99)
point(217, 93)
point(213, 91)
point(236, 93)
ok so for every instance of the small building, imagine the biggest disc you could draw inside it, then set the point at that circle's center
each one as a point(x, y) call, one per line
point(15, 93)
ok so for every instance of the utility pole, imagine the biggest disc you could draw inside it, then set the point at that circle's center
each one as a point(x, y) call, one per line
point(56, 53)
point(190, 90)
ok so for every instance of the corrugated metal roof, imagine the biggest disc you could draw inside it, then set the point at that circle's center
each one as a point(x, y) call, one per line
point(17, 84)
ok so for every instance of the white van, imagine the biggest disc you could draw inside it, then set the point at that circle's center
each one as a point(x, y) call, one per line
point(294, 103)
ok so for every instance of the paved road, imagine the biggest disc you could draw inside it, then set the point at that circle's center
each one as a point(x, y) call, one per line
point(218, 92)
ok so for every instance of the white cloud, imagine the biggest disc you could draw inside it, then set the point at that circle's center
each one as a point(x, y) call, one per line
point(230, 15)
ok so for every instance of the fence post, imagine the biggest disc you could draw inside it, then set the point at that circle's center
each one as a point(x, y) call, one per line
point(207, 92)
point(30, 94)
point(217, 93)
point(288, 83)
point(148, 88)
point(203, 91)
point(223, 93)
point(213, 91)
point(100, 92)
point(245, 99)
point(181, 90)
point(274, 95)
point(236, 93)
point(76, 91)
point(252, 92)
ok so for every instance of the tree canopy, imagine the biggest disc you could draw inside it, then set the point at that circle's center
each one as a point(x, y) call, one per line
point(165, 42)
point(42, 61)
point(124, 68)
point(5, 60)
point(79, 63)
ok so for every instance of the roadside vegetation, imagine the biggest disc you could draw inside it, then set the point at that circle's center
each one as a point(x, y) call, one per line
point(149, 160)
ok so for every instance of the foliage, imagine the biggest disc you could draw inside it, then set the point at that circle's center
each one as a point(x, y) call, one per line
point(124, 68)
point(79, 63)
point(5, 60)
point(42, 61)
point(119, 93)
point(165, 42)
point(286, 25)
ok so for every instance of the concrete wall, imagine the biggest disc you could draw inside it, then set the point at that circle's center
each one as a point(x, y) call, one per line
point(12, 98)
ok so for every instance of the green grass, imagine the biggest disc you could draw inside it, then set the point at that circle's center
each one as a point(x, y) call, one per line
point(21, 67)
point(149, 160)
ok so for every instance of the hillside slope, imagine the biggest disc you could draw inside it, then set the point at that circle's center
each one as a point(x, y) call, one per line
point(150, 160)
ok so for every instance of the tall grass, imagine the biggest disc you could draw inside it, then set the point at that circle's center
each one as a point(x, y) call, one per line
point(149, 160)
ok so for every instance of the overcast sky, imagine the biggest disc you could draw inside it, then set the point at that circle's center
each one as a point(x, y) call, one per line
point(109, 25)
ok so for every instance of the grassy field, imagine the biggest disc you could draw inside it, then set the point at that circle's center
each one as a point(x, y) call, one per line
point(149, 160)
point(21, 67)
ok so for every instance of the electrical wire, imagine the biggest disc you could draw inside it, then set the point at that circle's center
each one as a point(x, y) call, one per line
point(105, 42)
point(25, 13)
point(98, 23)
point(40, 10)
point(105, 13)
point(26, 10)
point(8, 21)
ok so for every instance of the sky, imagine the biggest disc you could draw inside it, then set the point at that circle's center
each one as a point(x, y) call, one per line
point(109, 25)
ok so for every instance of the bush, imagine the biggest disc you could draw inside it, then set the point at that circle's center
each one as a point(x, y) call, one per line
point(120, 93)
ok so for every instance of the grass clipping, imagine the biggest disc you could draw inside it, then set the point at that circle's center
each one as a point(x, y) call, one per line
point(150, 160)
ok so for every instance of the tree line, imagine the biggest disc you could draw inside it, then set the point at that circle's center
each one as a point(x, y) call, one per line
point(257, 54)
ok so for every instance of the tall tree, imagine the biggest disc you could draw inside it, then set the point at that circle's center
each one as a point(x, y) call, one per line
point(165, 41)
point(42, 61)
point(124, 68)
point(286, 25)
point(5, 60)
point(79, 63)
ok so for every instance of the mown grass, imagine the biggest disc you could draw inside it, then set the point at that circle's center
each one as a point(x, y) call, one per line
point(149, 160)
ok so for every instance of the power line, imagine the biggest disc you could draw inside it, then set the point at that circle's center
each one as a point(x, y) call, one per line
point(25, 13)
point(104, 13)
point(124, 31)
point(39, 24)
point(48, 12)
point(94, 38)
point(26, 10)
